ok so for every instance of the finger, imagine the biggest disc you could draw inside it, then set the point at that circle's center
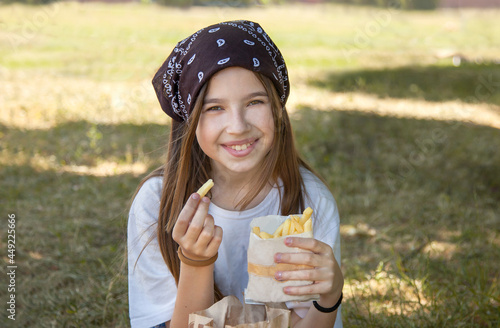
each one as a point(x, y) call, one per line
point(316, 288)
point(303, 258)
point(198, 221)
point(185, 217)
point(309, 244)
point(315, 274)
point(214, 244)
point(207, 233)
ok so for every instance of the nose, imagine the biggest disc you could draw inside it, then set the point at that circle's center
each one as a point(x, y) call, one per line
point(238, 122)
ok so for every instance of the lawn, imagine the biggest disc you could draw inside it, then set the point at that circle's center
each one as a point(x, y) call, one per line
point(399, 111)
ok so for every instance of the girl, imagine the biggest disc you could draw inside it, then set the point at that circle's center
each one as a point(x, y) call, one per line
point(225, 88)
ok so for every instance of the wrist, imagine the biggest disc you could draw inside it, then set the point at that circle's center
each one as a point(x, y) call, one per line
point(328, 307)
point(196, 262)
point(190, 255)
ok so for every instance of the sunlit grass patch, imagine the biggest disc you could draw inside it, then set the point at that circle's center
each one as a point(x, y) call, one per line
point(39, 100)
point(385, 293)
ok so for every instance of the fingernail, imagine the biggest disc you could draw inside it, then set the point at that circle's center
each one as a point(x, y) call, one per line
point(286, 290)
point(288, 241)
point(277, 257)
point(278, 275)
point(195, 196)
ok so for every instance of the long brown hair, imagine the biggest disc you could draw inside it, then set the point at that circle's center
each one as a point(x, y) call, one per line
point(187, 168)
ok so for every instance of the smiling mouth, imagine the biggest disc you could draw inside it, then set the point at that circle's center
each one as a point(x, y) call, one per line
point(241, 147)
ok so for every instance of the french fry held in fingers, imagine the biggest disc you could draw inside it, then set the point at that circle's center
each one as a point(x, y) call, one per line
point(293, 225)
point(205, 188)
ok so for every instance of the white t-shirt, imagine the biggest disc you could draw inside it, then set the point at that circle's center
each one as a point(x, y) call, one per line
point(152, 289)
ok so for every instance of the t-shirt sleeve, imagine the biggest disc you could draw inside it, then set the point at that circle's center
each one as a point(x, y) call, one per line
point(152, 288)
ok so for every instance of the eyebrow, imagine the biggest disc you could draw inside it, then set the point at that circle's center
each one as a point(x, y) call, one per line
point(249, 96)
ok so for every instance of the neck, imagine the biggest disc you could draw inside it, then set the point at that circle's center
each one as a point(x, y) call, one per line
point(231, 188)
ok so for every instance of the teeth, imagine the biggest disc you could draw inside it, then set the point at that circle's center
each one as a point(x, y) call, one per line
point(241, 147)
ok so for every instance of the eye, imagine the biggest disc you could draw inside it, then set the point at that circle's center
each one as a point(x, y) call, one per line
point(255, 102)
point(213, 109)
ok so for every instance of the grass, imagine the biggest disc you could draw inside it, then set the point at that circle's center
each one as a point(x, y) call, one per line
point(431, 207)
point(431, 83)
point(418, 194)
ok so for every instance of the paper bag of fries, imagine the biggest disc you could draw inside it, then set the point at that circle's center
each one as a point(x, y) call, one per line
point(229, 313)
point(266, 239)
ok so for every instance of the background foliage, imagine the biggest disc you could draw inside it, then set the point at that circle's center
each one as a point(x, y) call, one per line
point(403, 4)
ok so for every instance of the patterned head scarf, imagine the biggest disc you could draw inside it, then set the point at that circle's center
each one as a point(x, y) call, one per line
point(197, 58)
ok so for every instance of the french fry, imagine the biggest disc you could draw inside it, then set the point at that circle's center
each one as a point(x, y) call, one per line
point(279, 230)
point(308, 226)
point(293, 225)
point(306, 215)
point(205, 188)
point(297, 227)
point(265, 235)
point(286, 228)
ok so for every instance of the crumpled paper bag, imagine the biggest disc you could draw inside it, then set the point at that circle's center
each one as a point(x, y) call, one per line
point(230, 313)
point(262, 287)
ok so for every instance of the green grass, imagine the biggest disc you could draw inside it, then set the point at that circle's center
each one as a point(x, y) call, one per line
point(473, 83)
point(434, 204)
point(418, 198)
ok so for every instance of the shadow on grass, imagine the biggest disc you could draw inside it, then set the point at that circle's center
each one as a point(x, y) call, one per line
point(472, 83)
point(430, 189)
point(70, 246)
point(71, 227)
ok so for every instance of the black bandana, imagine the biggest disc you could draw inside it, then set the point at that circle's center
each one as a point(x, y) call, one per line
point(195, 59)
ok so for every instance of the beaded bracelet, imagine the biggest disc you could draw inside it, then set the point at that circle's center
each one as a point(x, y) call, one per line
point(328, 310)
point(195, 263)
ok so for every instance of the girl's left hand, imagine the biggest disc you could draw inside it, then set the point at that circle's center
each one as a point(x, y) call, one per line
point(326, 275)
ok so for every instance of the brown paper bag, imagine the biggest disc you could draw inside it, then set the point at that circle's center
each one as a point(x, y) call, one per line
point(262, 287)
point(230, 313)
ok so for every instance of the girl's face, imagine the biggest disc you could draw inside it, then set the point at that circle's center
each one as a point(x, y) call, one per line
point(236, 127)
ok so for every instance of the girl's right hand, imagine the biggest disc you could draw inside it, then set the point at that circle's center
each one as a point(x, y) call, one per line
point(195, 231)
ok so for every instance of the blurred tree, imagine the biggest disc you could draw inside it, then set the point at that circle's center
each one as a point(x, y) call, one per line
point(220, 3)
point(425, 4)
point(226, 3)
point(176, 3)
point(29, 2)
point(403, 4)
